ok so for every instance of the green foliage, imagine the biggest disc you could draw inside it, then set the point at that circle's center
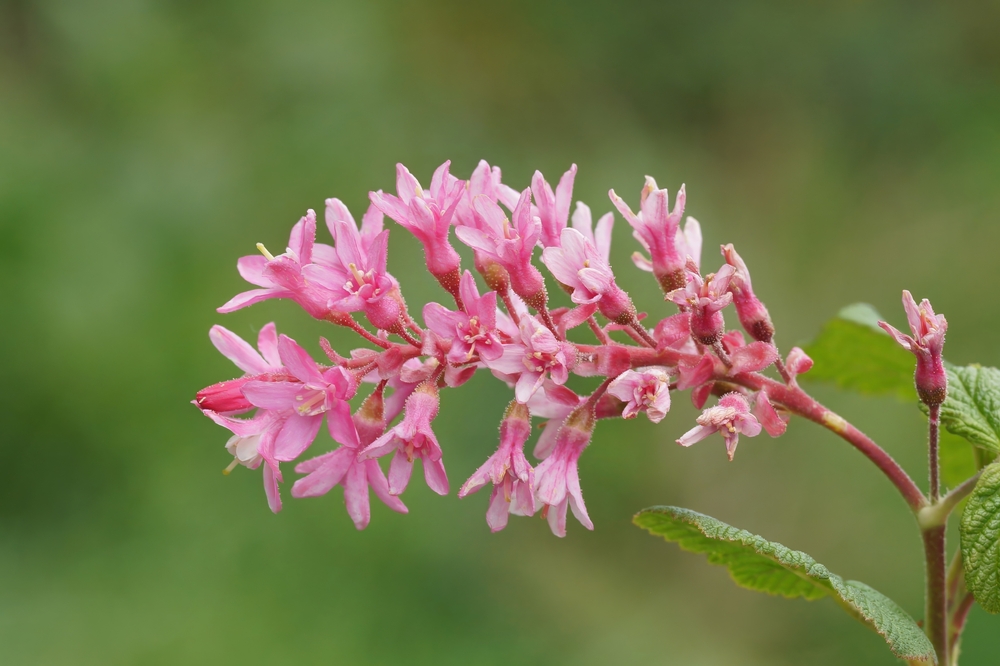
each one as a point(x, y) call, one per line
point(980, 536)
point(854, 353)
point(958, 459)
point(972, 408)
point(765, 566)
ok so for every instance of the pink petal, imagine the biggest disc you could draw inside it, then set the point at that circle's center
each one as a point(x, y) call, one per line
point(400, 470)
point(237, 350)
point(435, 476)
point(498, 511)
point(557, 518)
point(298, 361)
point(251, 269)
point(267, 342)
point(378, 483)
point(356, 496)
point(768, 417)
point(695, 434)
point(341, 425)
point(272, 395)
point(322, 477)
point(251, 297)
point(296, 436)
point(271, 489)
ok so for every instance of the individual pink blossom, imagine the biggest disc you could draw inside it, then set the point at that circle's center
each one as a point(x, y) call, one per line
point(705, 298)
point(657, 228)
point(485, 181)
point(317, 392)
point(413, 438)
point(538, 354)
point(285, 276)
point(797, 362)
point(251, 444)
point(576, 263)
point(553, 207)
point(731, 417)
point(372, 225)
point(508, 244)
point(600, 235)
point(227, 397)
point(472, 332)
point(428, 216)
point(643, 390)
point(508, 470)
point(557, 480)
point(344, 467)
point(928, 331)
point(751, 312)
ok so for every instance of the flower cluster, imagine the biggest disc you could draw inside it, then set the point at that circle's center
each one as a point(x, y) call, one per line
point(509, 330)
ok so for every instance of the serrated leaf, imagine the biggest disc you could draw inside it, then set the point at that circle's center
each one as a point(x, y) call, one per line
point(855, 354)
point(972, 408)
point(765, 566)
point(980, 539)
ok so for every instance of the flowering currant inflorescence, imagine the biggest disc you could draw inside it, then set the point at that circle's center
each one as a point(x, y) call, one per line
point(509, 331)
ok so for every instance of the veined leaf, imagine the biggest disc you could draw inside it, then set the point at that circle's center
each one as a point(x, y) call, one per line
point(854, 353)
point(972, 408)
point(765, 566)
point(980, 537)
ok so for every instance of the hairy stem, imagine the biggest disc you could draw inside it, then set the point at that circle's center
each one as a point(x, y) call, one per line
point(644, 337)
point(596, 329)
point(934, 463)
point(958, 618)
point(936, 608)
point(799, 402)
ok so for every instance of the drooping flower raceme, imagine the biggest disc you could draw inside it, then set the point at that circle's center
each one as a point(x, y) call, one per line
point(275, 410)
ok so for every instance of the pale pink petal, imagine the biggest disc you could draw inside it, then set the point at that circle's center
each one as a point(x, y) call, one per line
point(356, 496)
point(768, 417)
point(296, 435)
point(400, 470)
point(379, 485)
point(435, 475)
point(271, 489)
point(696, 434)
point(498, 511)
point(322, 477)
point(557, 518)
point(272, 395)
point(237, 350)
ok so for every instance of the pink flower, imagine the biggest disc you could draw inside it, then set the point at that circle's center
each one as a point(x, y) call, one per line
point(413, 438)
point(645, 390)
point(928, 331)
point(538, 354)
point(553, 208)
point(344, 467)
point(253, 443)
point(731, 417)
point(285, 276)
point(317, 392)
point(471, 332)
point(508, 470)
point(657, 228)
point(227, 397)
point(577, 264)
point(557, 480)
point(428, 216)
point(705, 298)
point(356, 278)
point(509, 245)
point(752, 314)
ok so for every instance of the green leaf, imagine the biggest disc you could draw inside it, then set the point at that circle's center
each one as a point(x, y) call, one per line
point(980, 538)
point(765, 566)
point(958, 459)
point(972, 408)
point(854, 353)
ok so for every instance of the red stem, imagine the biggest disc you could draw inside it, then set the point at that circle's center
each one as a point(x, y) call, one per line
point(934, 464)
point(936, 614)
point(801, 403)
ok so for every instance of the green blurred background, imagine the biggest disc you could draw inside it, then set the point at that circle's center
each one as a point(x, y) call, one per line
point(848, 150)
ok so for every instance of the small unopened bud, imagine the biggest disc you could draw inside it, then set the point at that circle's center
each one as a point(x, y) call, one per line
point(752, 314)
point(225, 397)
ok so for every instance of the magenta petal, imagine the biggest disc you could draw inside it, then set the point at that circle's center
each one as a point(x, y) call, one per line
point(296, 436)
point(400, 470)
point(356, 496)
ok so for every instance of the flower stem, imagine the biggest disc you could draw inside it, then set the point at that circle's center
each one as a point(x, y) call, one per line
point(936, 609)
point(799, 402)
point(934, 463)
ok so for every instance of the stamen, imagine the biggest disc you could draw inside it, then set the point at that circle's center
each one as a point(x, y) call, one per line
point(356, 273)
point(231, 467)
point(263, 251)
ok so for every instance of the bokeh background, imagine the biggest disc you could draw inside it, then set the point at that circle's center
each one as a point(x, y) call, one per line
point(849, 150)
